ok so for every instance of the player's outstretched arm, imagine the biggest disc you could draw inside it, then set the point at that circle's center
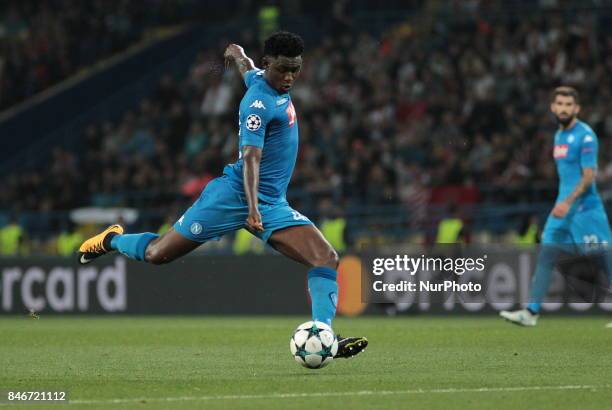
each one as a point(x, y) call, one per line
point(252, 157)
point(234, 53)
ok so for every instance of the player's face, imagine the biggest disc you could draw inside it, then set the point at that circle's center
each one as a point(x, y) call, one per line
point(281, 72)
point(565, 109)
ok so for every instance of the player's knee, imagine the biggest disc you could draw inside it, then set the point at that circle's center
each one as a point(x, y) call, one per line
point(156, 256)
point(328, 258)
point(334, 259)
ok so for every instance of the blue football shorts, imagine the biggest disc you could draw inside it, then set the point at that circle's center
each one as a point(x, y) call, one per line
point(221, 209)
point(581, 228)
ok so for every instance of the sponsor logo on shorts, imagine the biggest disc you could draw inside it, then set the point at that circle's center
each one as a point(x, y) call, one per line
point(196, 228)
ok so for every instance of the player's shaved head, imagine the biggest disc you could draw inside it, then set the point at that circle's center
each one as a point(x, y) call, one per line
point(566, 91)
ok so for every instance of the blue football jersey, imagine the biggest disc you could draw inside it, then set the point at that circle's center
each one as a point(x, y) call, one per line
point(267, 120)
point(575, 149)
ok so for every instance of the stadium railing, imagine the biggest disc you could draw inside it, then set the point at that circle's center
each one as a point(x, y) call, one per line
point(393, 223)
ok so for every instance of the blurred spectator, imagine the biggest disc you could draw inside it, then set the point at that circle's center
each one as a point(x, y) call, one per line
point(165, 227)
point(12, 236)
point(451, 228)
point(332, 225)
point(268, 19)
point(69, 240)
point(245, 242)
point(529, 231)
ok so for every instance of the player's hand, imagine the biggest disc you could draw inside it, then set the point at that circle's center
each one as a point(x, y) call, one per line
point(232, 52)
point(253, 221)
point(561, 209)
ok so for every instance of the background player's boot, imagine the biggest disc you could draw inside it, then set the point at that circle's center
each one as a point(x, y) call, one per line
point(521, 317)
point(350, 346)
point(98, 245)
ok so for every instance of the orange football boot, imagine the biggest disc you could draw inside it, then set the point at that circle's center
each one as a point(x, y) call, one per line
point(98, 245)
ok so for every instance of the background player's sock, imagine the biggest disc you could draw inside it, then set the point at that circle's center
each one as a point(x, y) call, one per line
point(323, 290)
point(133, 245)
point(541, 280)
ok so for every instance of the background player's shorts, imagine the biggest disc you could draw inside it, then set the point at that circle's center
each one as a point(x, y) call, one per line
point(220, 209)
point(586, 228)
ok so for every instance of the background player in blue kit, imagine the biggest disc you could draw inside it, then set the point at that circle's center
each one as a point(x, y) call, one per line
point(578, 221)
point(252, 191)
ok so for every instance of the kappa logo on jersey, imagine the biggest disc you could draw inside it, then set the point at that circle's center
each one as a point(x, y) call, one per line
point(258, 104)
point(570, 139)
point(253, 122)
point(560, 151)
point(291, 114)
point(588, 138)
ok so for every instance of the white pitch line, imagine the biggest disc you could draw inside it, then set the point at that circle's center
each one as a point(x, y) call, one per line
point(339, 394)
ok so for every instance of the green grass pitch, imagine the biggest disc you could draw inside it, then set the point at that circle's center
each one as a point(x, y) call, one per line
point(234, 363)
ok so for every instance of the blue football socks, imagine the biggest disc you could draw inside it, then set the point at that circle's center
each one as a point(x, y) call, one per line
point(323, 290)
point(547, 258)
point(133, 245)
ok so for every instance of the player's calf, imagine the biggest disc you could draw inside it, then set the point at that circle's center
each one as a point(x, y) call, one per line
point(157, 255)
point(168, 247)
point(146, 246)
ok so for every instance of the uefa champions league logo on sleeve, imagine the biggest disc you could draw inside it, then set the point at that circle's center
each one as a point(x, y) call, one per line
point(253, 122)
point(196, 228)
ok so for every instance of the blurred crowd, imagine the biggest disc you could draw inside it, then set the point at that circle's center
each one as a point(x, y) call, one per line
point(45, 41)
point(383, 121)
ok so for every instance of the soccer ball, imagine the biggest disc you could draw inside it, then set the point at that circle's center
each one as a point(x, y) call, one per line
point(313, 345)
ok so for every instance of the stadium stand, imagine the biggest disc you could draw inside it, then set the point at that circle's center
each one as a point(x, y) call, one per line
point(44, 42)
point(446, 109)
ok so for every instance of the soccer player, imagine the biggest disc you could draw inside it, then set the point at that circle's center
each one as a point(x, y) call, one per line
point(251, 193)
point(578, 221)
